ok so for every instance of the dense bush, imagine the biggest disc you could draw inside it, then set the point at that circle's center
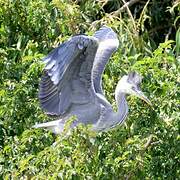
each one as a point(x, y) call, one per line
point(146, 146)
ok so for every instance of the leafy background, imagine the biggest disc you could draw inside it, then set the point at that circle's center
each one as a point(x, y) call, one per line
point(146, 146)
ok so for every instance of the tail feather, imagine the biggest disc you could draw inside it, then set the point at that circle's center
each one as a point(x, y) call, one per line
point(55, 126)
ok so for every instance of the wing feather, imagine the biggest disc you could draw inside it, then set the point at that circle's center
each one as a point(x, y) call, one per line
point(69, 63)
point(73, 71)
point(108, 43)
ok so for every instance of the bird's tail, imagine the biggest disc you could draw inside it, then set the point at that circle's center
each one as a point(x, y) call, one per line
point(56, 126)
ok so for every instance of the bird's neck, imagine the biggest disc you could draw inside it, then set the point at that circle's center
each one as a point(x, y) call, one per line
point(122, 108)
point(110, 119)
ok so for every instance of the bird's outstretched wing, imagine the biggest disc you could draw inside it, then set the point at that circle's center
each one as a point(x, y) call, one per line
point(108, 43)
point(67, 76)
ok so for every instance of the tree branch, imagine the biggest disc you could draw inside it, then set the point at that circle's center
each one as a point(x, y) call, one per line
point(125, 6)
point(148, 143)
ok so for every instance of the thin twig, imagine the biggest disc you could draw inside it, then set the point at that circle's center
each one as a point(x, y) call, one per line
point(148, 143)
point(125, 6)
point(143, 13)
point(130, 14)
point(168, 34)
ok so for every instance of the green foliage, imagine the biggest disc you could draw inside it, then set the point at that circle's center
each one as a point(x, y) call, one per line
point(147, 146)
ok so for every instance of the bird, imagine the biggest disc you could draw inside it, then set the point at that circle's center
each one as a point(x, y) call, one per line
point(71, 84)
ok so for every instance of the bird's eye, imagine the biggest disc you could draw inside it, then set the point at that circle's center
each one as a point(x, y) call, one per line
point(134, 88)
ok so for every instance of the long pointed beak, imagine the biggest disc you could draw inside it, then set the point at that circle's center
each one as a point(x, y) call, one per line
point(141, 95)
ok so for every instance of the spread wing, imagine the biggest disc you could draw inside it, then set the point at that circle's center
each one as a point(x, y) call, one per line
point(67, 76)
point(108, 43)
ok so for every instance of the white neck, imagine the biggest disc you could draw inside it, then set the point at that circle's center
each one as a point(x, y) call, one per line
point(111, 119)
point(122, 111)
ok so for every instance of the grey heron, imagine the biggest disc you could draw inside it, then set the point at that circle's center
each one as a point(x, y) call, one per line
point(71, 83)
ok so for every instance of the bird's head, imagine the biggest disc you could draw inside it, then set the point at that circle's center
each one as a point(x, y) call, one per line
point(130, 84)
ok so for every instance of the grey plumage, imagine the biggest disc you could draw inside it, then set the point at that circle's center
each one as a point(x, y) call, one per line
point(71, 83)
